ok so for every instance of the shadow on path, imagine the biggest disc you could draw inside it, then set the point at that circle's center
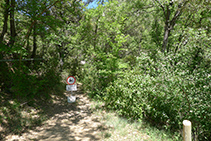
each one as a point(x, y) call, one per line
point(66, 121)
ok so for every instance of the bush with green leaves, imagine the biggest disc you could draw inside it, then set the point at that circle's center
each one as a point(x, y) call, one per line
point(28, 83)
point(164, 93)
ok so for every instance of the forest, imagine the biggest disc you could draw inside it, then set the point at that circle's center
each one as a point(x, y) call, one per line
point(145, 59)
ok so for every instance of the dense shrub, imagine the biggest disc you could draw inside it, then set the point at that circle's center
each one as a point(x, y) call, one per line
point(165, 93)
point(97, 79)
point(26, 83)
point(124, 97)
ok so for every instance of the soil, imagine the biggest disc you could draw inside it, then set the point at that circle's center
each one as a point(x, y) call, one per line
point(66, 122)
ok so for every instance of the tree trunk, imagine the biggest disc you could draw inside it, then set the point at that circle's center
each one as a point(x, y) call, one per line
point(34, 41)
point(12, 24)
point(169, 24)
point(95, 31)
point(166, 29)
point(6, 13)
point(165, 38)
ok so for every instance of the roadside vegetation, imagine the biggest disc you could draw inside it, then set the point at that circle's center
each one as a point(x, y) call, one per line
point(119, 128)
point(145, 60)
point(150, 61)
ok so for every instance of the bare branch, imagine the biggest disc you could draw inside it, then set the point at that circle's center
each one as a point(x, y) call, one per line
point(178, 13)
point(161, 6)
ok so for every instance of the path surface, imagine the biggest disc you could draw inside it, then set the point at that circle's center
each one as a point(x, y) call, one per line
point(67, 122)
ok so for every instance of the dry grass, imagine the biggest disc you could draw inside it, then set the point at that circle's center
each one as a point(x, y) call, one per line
point(119, 128)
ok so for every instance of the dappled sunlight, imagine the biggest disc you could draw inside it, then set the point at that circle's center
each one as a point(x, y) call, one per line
point(65, 121)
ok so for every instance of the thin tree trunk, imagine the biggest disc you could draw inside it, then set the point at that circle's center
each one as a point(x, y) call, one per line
point(34, 41)
point(12, 24)
point(166, 29)
point(165, 39)
point(27, 46)
point(95, 35)
point(6, 13)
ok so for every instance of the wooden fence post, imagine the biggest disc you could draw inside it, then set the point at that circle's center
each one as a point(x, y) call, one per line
point(186, 130)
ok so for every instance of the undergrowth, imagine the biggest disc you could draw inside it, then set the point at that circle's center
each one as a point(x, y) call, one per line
point(119, 128)
point(163, 90)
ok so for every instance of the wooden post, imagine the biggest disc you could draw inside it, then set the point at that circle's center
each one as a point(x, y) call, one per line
point(186, 130)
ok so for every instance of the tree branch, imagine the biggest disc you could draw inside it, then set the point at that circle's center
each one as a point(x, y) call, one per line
point(178, 13)
point(161, 7)
point(32, 24)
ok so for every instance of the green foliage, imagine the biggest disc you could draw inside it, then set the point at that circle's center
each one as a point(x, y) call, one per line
point(120, 42)
point(103, 49)
point(126, 70)
point(166, 94)
point(38, 27)
point(123, 97)
point(33, 86)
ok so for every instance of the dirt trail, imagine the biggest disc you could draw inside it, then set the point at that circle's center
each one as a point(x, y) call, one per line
point(67, 122)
